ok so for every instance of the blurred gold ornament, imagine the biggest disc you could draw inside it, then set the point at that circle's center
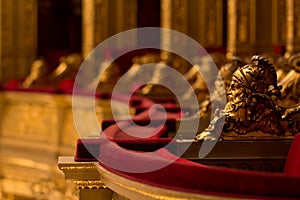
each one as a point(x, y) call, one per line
point(37, 74)
point(67, 69)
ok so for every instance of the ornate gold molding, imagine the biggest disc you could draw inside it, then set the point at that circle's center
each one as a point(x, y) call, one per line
point(126, 188)
point(89, 184)
point(78, 170)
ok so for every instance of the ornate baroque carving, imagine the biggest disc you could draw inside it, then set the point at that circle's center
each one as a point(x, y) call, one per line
point(252, 109)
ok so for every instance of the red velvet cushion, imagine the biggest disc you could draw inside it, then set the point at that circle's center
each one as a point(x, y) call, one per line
point(134, 100)
point(34, 90)
point(66, 85)
point(143, 119)
point(141, 103)
point(292, 164)
point(87, 150)
point(128, 131)
point(183, 175)
point(158, 114)
point(15, 85)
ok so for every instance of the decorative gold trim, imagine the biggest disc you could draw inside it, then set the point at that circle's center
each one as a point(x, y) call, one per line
point(125, 187)
point(137, 190)
point(89, 184)
point(77, 168)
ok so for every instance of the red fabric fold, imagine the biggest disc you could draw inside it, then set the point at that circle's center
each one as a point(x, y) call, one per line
point(143, 119)
point(126, 131)
point(292, 164)
point(184, 175)
point(87, 150)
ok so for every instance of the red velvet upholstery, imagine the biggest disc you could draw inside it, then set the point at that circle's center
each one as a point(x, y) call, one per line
point(184, 175)
point(292, 164)
point(37, 90)
point(124, 150)
point(129, 131)
point(134, 100)
point(66, 86)
point(15, 85)
point(87, 150)
point(143, 119)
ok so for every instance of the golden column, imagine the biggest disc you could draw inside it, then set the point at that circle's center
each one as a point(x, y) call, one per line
point(256, 27)
point(173, 16)
point(94, 24)
point(205, 22)
point(293, 27)
point(18, 37)
point(279, 22)
point(104, 18)
point(241, 27)
point(264, 30)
